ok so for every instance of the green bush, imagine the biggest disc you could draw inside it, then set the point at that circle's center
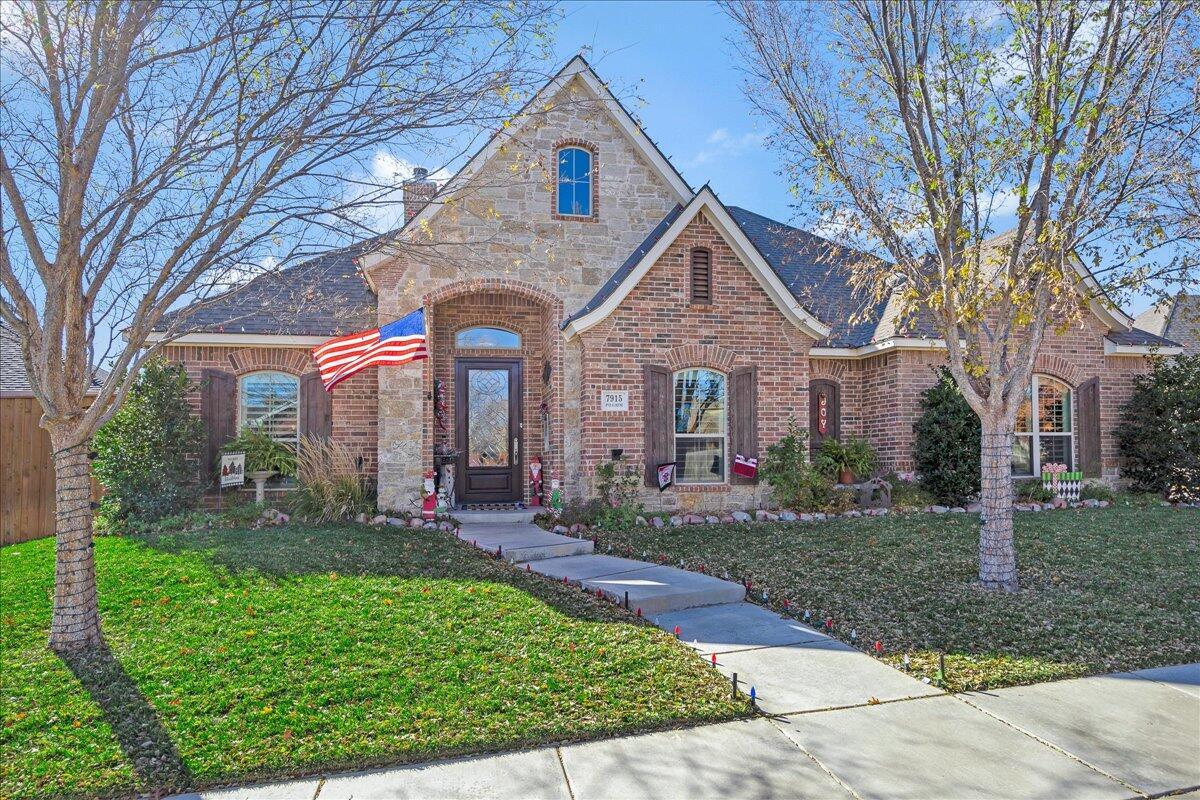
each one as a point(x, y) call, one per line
point(262, 452)
point(1096, 491)
point(1159, 431)
point(617, 482)
point(1032, 491)
point(794, 482)
point(146, 455)
point(330, 486)
point(946, 445)
point(908, 494)
point(853, 455)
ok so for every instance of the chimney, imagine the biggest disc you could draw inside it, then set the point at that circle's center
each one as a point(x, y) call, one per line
point(417, 193)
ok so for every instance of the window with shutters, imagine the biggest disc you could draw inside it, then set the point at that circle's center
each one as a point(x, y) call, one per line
point(1045, 431)
point(270, 401)
point(701, 426)
point(701, 276)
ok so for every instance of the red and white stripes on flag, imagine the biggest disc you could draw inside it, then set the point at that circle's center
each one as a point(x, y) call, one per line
point(393, 344)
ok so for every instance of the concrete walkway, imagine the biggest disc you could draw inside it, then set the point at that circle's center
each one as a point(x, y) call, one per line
point(841, 723)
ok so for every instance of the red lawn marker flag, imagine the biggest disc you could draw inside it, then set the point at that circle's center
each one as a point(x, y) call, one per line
point(393, 344)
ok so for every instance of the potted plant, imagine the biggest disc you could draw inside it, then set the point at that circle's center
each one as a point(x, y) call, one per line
point(265, 457)
point(845, 460)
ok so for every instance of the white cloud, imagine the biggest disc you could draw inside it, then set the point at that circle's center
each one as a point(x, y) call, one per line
point(388, 172)
point(721, 144)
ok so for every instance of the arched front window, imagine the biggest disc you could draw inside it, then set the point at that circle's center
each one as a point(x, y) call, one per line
point(495, 338)
point(701, 423)
point(574, 182)
point(1045, 428)
point(270, 401)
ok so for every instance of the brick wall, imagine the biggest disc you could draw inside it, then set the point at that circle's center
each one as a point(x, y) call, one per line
point(355, 403)
point(888, 389)
point(657, 325)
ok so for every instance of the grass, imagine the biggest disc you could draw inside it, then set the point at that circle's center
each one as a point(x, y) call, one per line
point(1101, 590)
point(239, 654)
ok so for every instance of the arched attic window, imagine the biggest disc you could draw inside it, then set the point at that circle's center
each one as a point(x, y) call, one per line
point(575, 182)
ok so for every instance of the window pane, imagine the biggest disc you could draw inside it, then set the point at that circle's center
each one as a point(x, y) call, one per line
point(1054, 450)
point(583, 198)
point(583, 166)
point(1024, 420)
point(1054, 406)
point(1022, 456)
point(487, 417)
point(488, 337)
point(270, 402)
point(574, 182)
point(701, 459)
point(566, 165)
point(700, 402)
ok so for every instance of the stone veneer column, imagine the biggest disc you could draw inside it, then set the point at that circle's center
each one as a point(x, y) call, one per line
point(401, 435)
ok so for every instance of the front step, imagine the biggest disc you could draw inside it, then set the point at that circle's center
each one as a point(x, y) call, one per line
point(652, 588)
point(502, 516)
point(521, 543)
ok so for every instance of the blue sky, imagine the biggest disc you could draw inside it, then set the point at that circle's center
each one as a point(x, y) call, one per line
point(675, 57)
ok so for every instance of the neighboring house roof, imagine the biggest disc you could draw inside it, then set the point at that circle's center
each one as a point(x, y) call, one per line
point(614, 291)
point(13, 376)
point(577, 67)
point(1177, 319)
point(324, 296)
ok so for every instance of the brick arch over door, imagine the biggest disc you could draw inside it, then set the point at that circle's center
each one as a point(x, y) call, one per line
point(476, 285)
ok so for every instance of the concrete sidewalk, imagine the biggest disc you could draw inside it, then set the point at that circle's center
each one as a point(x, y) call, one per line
point(1113, 736)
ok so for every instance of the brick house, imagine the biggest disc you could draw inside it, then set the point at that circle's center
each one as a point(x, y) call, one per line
point(609, 306)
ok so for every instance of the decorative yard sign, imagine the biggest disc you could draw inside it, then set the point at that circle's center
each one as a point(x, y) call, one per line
point(614, 400)
point(233, 469)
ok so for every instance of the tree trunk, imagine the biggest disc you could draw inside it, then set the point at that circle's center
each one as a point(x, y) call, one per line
point(76, 620)
point(997, 551)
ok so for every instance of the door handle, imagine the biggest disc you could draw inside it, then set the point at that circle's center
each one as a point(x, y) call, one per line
point(516, 448)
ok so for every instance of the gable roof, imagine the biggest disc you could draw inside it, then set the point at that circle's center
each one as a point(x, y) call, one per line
point(577, 67)
point(324, 296)
point(617, 288)
point(1176, 319)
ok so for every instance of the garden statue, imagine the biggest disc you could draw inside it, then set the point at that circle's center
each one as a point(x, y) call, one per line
point(535, 481)
point(556, 499)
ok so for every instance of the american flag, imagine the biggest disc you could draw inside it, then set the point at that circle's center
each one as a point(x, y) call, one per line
point(393, 344)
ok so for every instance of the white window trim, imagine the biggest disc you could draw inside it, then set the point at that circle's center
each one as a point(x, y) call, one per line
point(1034, 435)
point(558, 181)
point(723, 435)
point(241, 398)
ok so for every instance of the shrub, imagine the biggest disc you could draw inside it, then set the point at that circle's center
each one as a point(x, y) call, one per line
point(946, 445)
point(617, 482)
point(146, 454)
point(1032, 491)
point(1159, 431)
point(263, 453)
point(853, 455)
point(793, 480)
point(1096, 491)
point(330, 486)
point(908, 494)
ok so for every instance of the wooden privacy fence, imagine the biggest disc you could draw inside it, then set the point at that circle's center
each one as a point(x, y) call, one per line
point(26, 472)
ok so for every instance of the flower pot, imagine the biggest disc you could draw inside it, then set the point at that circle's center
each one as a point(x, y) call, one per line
point(846, 477)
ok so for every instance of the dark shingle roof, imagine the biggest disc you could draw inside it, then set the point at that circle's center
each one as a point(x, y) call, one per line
point(324, 296)
point(816, 272)
point(1183, 325)
point(13, 377)
point(1141, 338)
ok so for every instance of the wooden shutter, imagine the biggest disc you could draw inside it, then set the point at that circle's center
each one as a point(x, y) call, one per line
point(833, 412)
point(701, 276)
point(316, 407)
point(219, 412)
point(658, 423)
point(1089, 428)
point(743, 417)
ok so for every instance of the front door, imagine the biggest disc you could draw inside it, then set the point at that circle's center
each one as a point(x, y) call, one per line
point(824, 413)
point(487, 413)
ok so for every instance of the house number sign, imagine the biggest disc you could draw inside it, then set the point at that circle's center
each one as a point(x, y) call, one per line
point(613, 400)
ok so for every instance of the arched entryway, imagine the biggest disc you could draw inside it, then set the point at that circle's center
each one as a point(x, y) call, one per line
point(495, 403)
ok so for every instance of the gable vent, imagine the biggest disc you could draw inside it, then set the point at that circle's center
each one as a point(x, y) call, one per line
point(701, 276)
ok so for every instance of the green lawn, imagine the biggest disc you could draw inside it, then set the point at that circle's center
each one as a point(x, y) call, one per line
point(1102, 590)
point(239, 654)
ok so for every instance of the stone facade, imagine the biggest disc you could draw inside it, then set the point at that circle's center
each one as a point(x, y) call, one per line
point(503, 232)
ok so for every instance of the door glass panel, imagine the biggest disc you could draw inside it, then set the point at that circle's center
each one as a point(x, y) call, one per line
point(487, 418)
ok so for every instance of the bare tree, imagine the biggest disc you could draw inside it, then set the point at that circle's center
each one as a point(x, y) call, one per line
point(914, 124)
point(151, 148)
